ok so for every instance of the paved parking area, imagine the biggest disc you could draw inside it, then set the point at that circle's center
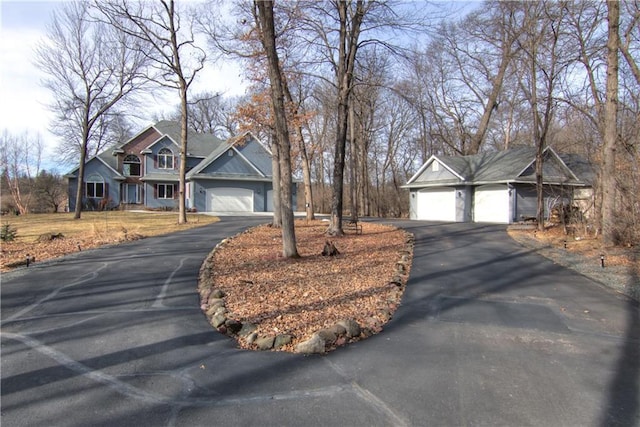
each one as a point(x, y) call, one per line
point(488, 333)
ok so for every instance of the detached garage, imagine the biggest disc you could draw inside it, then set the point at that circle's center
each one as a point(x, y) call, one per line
point(497, 187)
point(226, 199)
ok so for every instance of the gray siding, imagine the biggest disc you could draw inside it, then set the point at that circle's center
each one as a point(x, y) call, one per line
point(442, 174)
point(229, 164)
point(152, 201)
point(95, 166)
point(258, 155)
point(527, 199)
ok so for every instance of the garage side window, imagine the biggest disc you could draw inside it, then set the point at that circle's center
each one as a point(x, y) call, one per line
point(94, 187)
point(165, 159)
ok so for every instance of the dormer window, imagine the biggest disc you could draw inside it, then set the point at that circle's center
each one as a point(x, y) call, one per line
point(435, 167)
point(165, 159)
point(131, 165)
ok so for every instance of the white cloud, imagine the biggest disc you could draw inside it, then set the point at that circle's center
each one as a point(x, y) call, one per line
point(23, 101)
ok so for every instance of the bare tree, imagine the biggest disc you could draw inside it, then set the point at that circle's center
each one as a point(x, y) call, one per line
point(171, 49)
point(610, 128)
point(541, 57)
point(263, 13)
point(20, 163)
point(212, 113)
point(50, 191)
point(90, 68)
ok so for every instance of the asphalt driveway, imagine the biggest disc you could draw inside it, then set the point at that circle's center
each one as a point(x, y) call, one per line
point(488, 333)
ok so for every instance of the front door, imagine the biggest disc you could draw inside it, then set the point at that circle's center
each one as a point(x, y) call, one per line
point(131, 193)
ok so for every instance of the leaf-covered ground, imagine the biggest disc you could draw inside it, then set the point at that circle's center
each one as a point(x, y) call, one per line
point(300, 296)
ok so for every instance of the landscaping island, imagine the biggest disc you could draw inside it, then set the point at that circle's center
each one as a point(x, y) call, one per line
point(311, 304)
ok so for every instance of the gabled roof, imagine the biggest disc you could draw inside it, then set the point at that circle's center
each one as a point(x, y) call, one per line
point(105, 158)
point(505, 166)
point(198, 144)
point(223, 148)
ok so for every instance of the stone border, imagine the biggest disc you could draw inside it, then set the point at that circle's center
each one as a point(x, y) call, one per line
point(326, 339)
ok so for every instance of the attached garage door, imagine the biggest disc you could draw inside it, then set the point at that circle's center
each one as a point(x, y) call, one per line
point(230, 200)
point(491, 204)
point(437, 204)
point(270, 201)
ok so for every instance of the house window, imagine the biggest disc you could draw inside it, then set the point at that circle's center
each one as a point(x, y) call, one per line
point(435, 166)
point(164, 191)
point(131, 165)
point(165, 159)
point(94, 187)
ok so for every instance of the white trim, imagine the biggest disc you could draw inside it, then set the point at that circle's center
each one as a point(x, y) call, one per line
point(562, 163)
point(428, 163)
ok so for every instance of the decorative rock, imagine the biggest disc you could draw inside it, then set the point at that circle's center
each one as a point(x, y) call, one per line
point(218, 320)
point(252, 337)
point(315, 344)
point(338, 330)
point(233, 326)
point(265, 343)
point(281, 340)
point(220, 310)
point(328, 335)
point(247, 329)
point(218, 293)
point(351, 327)
point(341, 341)
point(366, 332)
point(216, 302)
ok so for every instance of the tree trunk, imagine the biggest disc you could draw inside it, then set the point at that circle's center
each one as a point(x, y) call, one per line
point(184, 120)
point(275, 166)
point(353, 152)
point(306, 177)
point(608, 171)
point(349, 36)
point(268, 38)
point(492, 102)
point(83, 160)
point(306, 173)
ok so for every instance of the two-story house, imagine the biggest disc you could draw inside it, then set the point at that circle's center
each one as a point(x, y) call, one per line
point(142, 173)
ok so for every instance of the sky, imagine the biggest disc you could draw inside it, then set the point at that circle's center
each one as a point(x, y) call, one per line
point(22, 98)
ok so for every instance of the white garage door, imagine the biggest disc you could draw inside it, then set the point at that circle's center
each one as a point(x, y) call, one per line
point(230, 200)
point(437, 205)
point(491, 204)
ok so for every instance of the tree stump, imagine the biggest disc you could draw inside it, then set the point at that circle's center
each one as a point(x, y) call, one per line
point(47, 237)
point(330, 249)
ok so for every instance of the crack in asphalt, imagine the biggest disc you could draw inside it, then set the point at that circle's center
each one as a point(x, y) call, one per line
point(81, 280)
point(159, 302)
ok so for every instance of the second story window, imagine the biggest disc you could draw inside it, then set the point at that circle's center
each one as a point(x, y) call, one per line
point(131, 165)
point(165, 159)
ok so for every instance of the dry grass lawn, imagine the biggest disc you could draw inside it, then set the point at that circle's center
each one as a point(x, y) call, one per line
point(92, 230)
